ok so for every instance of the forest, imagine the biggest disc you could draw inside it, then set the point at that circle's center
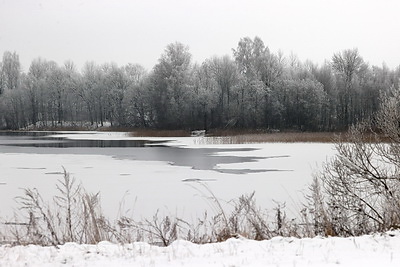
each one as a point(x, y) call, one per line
point(253, 88)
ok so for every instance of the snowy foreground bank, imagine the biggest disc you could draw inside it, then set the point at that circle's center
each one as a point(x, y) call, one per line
point(371, 250)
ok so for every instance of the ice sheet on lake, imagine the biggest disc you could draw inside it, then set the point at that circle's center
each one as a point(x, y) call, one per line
point(146, 186)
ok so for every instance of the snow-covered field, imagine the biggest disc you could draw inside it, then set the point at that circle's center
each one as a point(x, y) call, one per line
point(371, 250)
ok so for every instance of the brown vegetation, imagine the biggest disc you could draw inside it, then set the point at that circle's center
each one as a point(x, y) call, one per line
point(248, 136)
point(244, 136)
point(159, 133)
point(225, 137)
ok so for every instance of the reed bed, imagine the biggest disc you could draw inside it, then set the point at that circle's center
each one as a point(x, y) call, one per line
point(243, 136)
point(159, 133)
point(279, 137)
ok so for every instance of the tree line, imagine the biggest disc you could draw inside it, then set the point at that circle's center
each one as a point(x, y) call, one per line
point(253, 89)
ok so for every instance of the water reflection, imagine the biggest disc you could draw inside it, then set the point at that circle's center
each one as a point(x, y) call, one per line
point(44, 139)
point(66, 143)
point(25, 134)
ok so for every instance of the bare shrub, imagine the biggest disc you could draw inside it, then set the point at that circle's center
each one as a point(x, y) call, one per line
point(362, 182)
point(160, 230)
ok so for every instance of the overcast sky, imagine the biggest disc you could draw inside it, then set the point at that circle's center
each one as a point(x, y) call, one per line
point(133, 31)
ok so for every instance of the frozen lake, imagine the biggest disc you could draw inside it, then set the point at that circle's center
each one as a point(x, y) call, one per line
point(138, 176)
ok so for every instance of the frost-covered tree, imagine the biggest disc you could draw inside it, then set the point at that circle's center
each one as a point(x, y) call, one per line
point(225, 75)
point(170, 86)
point(35, 86)
point(137, 98)
point(13, 109)
point(260, 69)
point(347, 65)
point(304, 100)
point(254, 89)
point(117, 84)
point(205, 97)
point(88, 91)
point(11, 71)
point(2, 79)
point(60, 83)
point(324, 75)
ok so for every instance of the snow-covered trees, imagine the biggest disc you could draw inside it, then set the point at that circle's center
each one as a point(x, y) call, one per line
point(137, 97)
point(348, 66)
point(10, 71)
point(261, 70)
point(304, 101)
point(255, 88)
point(170, 86)
point(224, 73)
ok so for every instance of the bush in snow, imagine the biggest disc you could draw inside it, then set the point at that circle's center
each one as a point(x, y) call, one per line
point(361, 184)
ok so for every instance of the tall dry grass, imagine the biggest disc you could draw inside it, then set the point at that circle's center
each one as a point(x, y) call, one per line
point(76, 216)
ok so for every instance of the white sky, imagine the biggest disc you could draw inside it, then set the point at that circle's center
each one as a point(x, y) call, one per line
point(137, 31)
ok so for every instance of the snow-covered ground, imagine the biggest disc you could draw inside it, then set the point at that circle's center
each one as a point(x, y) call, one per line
point(371, 250)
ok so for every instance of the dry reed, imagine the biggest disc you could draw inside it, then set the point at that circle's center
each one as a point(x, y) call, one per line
point(285, 137)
